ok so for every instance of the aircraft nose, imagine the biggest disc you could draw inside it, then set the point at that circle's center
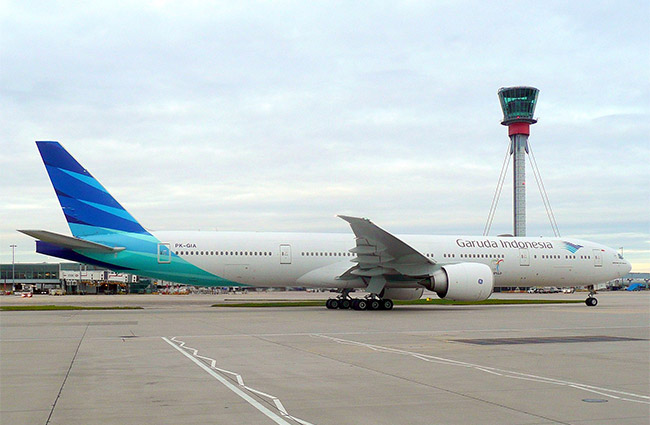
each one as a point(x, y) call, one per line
point(628, 267)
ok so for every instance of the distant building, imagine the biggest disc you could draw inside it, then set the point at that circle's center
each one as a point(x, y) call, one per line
point(72, 278)
point(630, 279)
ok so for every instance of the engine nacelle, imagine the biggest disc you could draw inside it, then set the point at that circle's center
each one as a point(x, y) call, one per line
point(462, 282)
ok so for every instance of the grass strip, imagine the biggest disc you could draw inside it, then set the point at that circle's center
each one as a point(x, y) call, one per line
point(62, 307)
point(424, 301)
point(272, 304)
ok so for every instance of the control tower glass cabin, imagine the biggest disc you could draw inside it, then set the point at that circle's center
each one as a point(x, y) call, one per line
point(518, 106)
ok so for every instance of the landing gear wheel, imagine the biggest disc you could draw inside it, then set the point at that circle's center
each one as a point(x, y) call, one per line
point(335, 303)
point(374, 305)
point(591, 301)
point(344, 304)
point(328, 304)
point(386, 304)
point(362, 305)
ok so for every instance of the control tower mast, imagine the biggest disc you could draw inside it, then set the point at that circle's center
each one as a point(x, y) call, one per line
point(518, 105)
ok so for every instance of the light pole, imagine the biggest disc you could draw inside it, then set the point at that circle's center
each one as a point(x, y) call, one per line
point(13, 266)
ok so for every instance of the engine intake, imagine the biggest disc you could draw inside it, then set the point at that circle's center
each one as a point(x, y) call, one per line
point(462, 282)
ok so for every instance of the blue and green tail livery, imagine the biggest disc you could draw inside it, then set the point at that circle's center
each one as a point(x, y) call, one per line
point(87, 205)
point(105, 234)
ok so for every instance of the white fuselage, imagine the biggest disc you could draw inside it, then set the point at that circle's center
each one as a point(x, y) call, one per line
point(282, 259)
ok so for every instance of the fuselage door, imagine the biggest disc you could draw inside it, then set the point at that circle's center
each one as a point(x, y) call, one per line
point(285, 254)
point(524, 259)
point(164, 253)
point(598, 258)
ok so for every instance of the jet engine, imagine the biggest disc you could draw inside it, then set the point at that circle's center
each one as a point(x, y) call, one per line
point(462, 282)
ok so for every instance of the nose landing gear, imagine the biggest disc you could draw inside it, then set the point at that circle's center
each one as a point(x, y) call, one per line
point(591, 301)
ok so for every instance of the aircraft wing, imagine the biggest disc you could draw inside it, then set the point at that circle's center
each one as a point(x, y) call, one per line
point(69, 241)
point(380, 253)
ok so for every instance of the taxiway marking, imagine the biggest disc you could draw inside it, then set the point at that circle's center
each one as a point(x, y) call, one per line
point(615, 394)
point(181, 347)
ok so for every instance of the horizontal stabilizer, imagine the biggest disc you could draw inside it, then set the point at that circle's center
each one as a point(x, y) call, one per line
point(69, 241)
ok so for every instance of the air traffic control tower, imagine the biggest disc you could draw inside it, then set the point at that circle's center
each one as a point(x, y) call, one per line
point(518, 105)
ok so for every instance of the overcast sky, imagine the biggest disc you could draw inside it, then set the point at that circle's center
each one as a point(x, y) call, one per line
point(280, 115)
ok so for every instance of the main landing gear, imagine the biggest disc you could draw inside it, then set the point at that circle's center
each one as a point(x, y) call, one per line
point(370, 302)
point(591, 301)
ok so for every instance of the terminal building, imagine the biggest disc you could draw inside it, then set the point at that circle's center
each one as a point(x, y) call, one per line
point(69, 278)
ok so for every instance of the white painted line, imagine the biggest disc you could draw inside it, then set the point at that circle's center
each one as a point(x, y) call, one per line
point(496, 371)
point(423, 332)
point(237, 376)
point(280, 407)
point(240, 380)
point(275, 418)
point(414, 331)
point(263, 394)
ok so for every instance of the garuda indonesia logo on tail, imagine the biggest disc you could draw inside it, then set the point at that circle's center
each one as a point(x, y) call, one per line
point(571, 247)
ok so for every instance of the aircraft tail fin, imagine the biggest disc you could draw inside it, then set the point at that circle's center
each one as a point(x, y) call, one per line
point(87, 205)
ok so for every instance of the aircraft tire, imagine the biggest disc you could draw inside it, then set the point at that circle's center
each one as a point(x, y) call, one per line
point(344, 304)
point(335, 303)
point(374, 305)
point(328, 304)
point(591, 301)
point(386, 304)
point(362, 305)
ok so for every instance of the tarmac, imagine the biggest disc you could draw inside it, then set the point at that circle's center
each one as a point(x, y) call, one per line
point(181, 361)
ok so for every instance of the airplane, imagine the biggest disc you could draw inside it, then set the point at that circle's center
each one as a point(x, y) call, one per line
point(387, 267)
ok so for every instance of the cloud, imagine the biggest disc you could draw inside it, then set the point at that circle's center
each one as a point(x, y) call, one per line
point(278, 116)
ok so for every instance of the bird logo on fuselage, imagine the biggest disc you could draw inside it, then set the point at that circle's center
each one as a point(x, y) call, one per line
point(571, 247)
